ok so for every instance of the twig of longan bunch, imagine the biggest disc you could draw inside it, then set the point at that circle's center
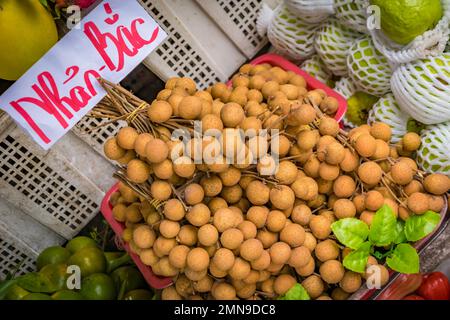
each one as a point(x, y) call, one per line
point(178, 195)
point(383, 181)
point(258, 177)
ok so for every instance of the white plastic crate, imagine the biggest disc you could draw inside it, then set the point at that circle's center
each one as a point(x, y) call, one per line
point(21, 240)
point(237, 18)
point(45, 185)
point(195, 46)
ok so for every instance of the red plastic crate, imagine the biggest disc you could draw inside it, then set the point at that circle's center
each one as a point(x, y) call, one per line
point(312, 83)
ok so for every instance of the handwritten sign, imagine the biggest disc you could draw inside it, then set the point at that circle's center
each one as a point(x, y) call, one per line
point(58, 90)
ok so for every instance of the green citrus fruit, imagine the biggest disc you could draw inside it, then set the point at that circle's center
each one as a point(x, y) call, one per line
point(78, 243)
point(404, 20)
point(98, 286)
point(67, 295)
point(16, 293)
point(90, 260)
point(27, 32)
point(132, 278)
point(37, 296)
point(139, 294)
point(57, 274)
point(52, 255)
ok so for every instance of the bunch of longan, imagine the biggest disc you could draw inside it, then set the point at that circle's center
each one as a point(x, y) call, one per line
point(226, 230)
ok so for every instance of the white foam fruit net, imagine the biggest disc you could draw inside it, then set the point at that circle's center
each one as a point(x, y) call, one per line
point(265, 15)
point(333, 40)
point(352, 13)
point(315, 67)
point(290, 35)
point(430, 43)
point(346, 88)
point(386, 110)
point(422, 89)
point(312, 11)
point(368, 68)
point(433, 153)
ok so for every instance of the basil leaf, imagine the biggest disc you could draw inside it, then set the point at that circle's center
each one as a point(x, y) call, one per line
point(36, 282)
point(419, 226)
point(350, 232)
point(404, 259)
point(383, 227)
point(357, 260)
point(297, 292)
point(400, 232)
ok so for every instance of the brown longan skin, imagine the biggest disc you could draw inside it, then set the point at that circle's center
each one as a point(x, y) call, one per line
point(327, 250)
point(402, 173)
point(344, 186)
point(314, 286)
point(276, 220)
point(331, 271)
point(199, 215)
point(257, 193)
point(320, 227)
point(112, 149)
point(374, 200)
point(178, 256)
point(293, 234)
point(280, 252)
point(411, 141)
point(232, 238)
point(197, 259)
point(138, 171)
point(251, 249)
point(126, 138)
point(351, 282)
point(300, 257)
point(418, 203)
point(381, 131)
point(436, 183)
point(283, 283)
point(370, 172)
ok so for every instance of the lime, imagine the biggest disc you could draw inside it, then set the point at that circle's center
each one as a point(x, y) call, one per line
point(78, 243)
point(98, 286)
point(67, 295)
point(57, 274)
point(52, 255)
point(129, 277)
point(404, 20)
point(16, 293)
point(90, 260)
point(139, 294)
point(37, 296)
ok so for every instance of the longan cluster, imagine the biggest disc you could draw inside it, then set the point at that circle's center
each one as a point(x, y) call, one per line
point(232, 231)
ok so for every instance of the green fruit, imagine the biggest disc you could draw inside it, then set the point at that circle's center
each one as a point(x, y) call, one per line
point(130, 277)
point(98, 286)
point(67, 295)
point(78, 243)
point(90, 260)
point(27, 32)
point(57, 274)
point(52, 255)
point(359, 105)
point(37, 296)
point(16, 293)
point(403, 20)
point(139, 294)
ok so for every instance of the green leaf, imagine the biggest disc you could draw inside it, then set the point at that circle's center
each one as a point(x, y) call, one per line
point(36, 282)
point(297, 292)
point(44, 3)
point(400, 236)
point(404, 259)
point(357, 260)
point(383, 227)
point(419, 226)
point(350, 232)
point(5, 286)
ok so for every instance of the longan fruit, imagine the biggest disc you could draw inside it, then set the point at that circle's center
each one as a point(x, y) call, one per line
point(351, 282)
point(160, 190)
point(413, 186)
point(267, 238)
point(217, 203)
point(224, 291)
point(320, 226)
point(418, 202)
point(305, 188)
point(211, 122)
point(119, 212)
point(283, 283)
point(382, 150)
point(138, 171)
point(232, 194)
point(402, 173)
point(411, 142)
point(112, 149)
point(255, 95)
point(436, 203)
point(187, 235)
point(370, 172)
point(291, 91)
point(251, 249)
point(339, 294)
point(280, 252)
point(163, 246)
point(282, 197)
point(248, 229)
point(178, 256)
point(365, 145)
point(257, 193)
point(258, 215)
point(350, 161)
point(148, 257)
point(211, 185)
point(331, 271)
point(156, 151)
point(224, 219)
point(190, 107)
point(298, 81)
point(329, 172)
point(310, 241)
point(381, 131)
point(367, 217)
point(344, 186)
point(231, 238)
point(327, 250)
point(328, 126)
point(159, 111)
point(379, 270)
point(197, 259)
point(374, 200)
point(223, 259)
point(314, 286)
point(184, 167)
point(170, 293)
point(293, 234)
point(251, 125)
point(436, 183)
point(315, 96)
point(240, 269)
point(195, 275)
point(169, 229)
point(269, 88)
point(304, 114)
point(187, 84)
point(126, 138)
point(208, 235)
point(329, 105)
point(144, 236)
point(344, 208)
point(174, 210)
point(301, 214)
point(300, 257)
point(282, 147)
point(218, 90)
point(232, 114)
point(360, 203)
point(312, 166)
point(307, 269)
point(276, 220)
point(183, 285)
point(307, 139)
point(199, 215)
point(203, 285)
point(193, 194)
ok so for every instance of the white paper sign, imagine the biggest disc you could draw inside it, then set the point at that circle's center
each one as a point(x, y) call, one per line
point(58, 90)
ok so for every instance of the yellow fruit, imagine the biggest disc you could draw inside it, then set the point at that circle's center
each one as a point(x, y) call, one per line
point(27, 32)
